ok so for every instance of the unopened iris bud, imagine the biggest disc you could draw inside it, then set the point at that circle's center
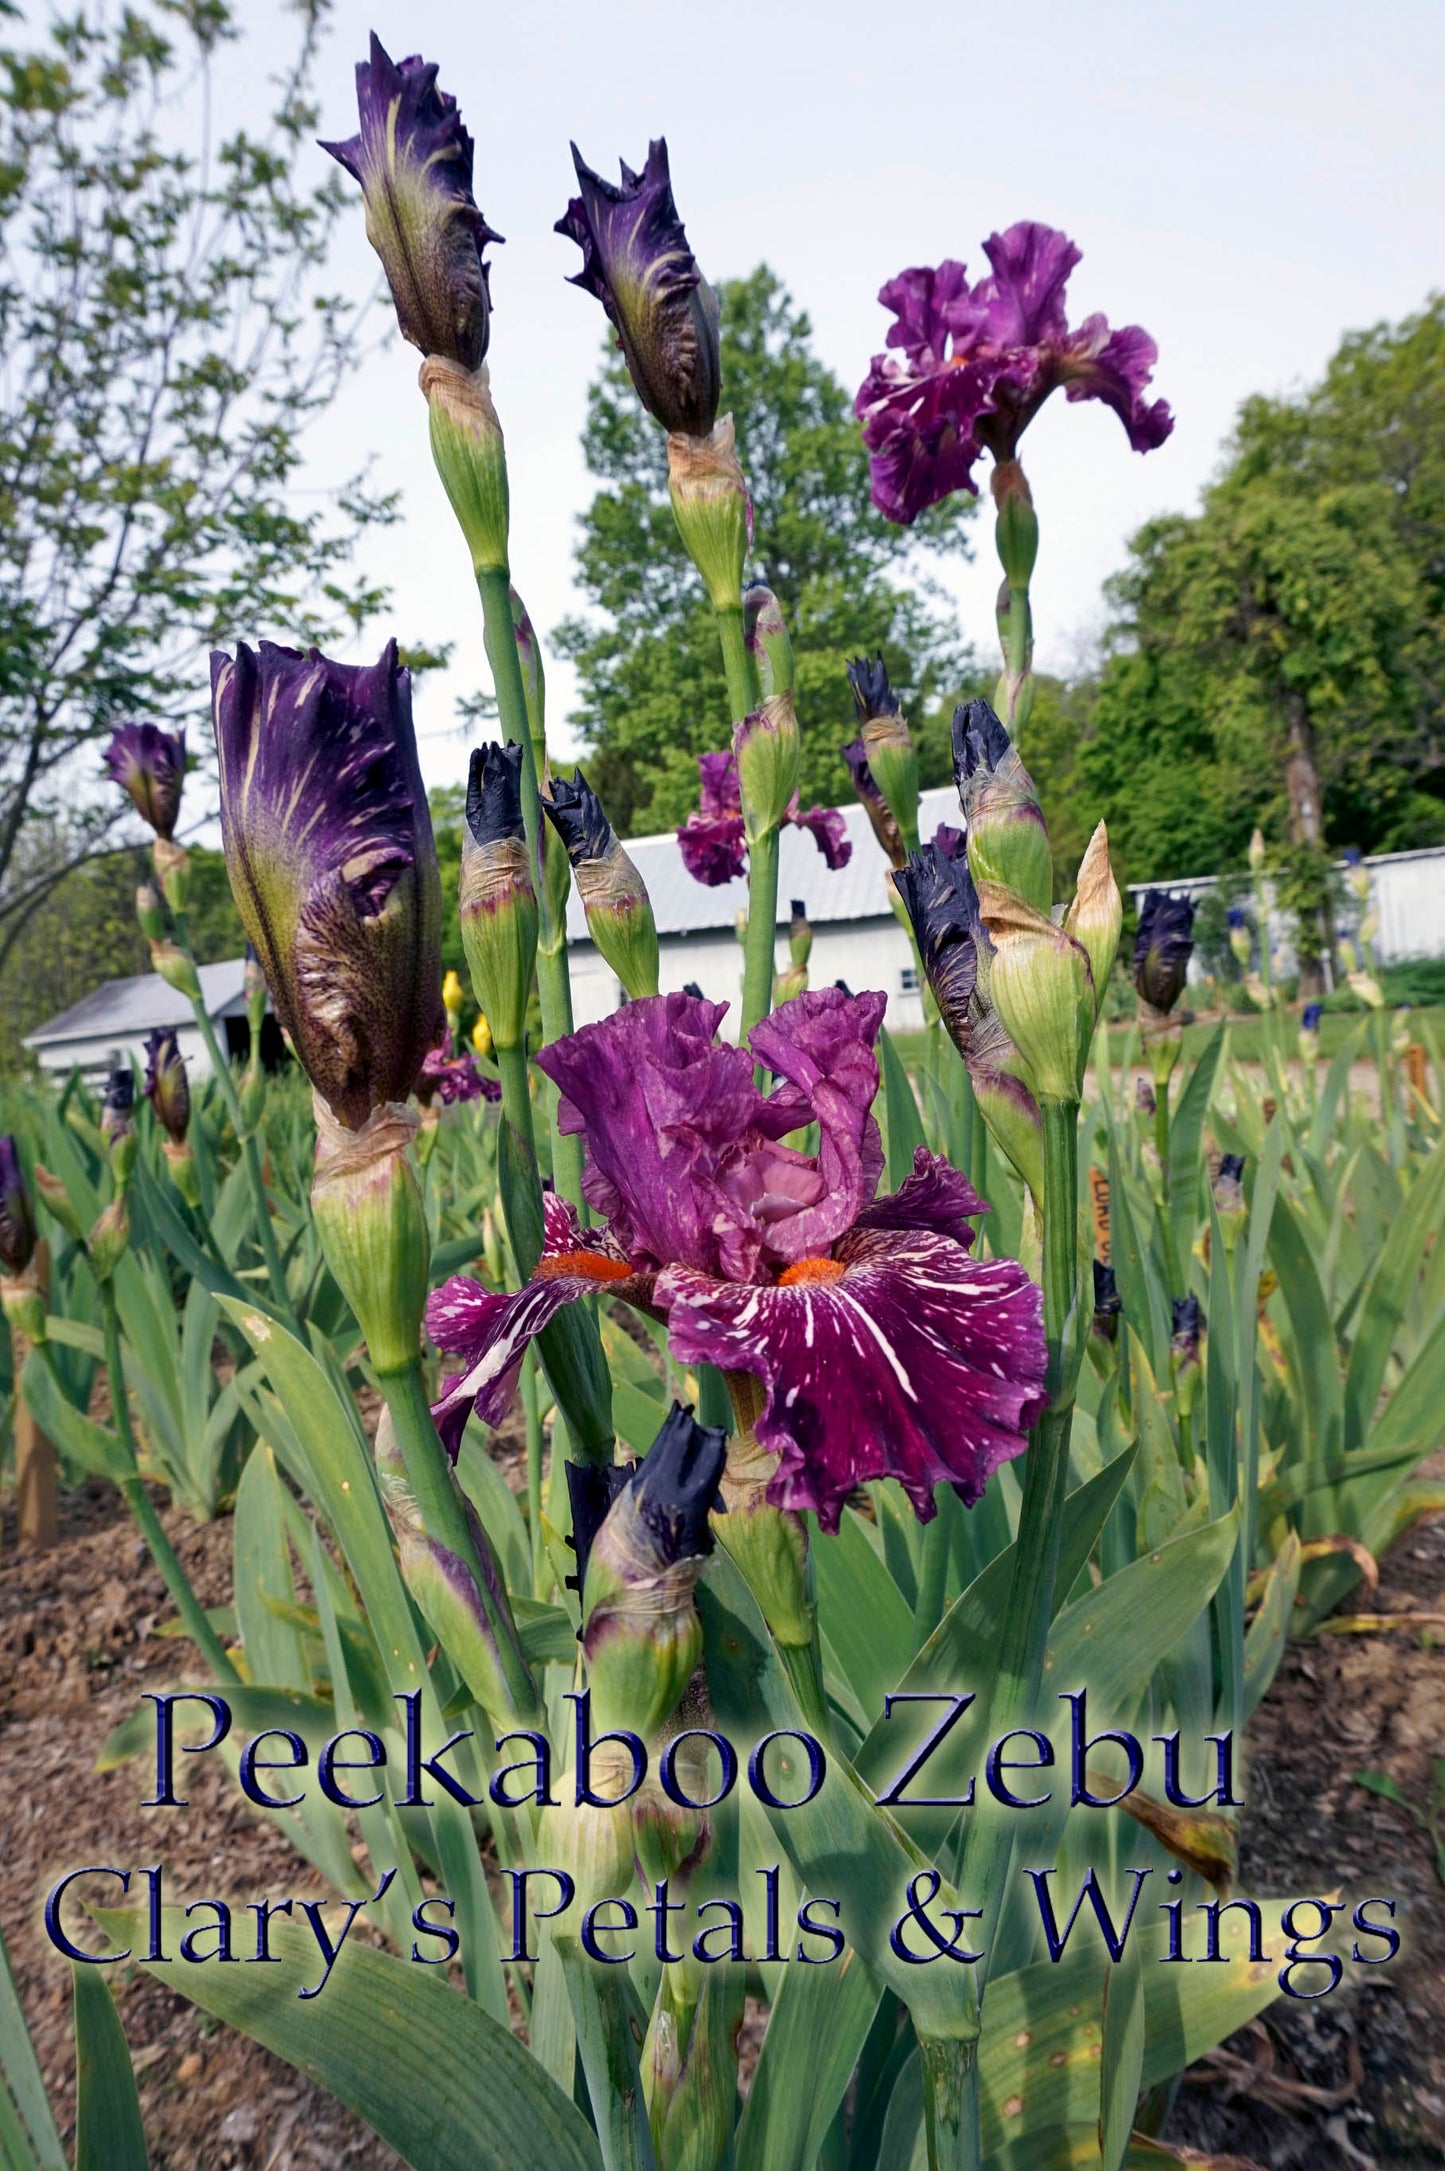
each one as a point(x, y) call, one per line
point(150, 766)
point(641, 1631)
point(117, 1122)
point(534, 679)
point(1367, 989)
point(452, 999)
point(591, 1842)
point(329, 849)
point(672, 1838)
point(1016, 526)
point(766, 633)
point(413, 159)
point(800, 934)
point(712, 509)
point(1309, 1032)
point(471, 1619)
point(636, 261)
point(108, 1238)
point(689, 2067)
point(888, 747)
point(58, 1203)
point(1145, 1103)
point(254, 992)
point(1184, 1345)
point(369, 1215)
point(873, 803)
point(497, 896)
point(942, 906)
point(1008, 843)
point(149, 913)
point(1257, 852)
point(482, 1035)
point(1240, 941)
point(17, 1220)
point(1357, 874)
point(470, 456)
point(177, 968)
point(1163, 947)
point(1042, 986)
point(1097, 913)
point(166, 1086)
point(1107, 1306)
point(768, 750)
point(1228, 1193)
point(614, 895)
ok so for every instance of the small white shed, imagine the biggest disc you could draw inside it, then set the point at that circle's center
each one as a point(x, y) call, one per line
point(855, 935)
point(110, 1025)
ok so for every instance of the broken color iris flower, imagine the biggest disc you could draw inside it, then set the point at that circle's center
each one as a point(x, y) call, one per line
point(970, 367)
point(713, 839)
point(883, 1347)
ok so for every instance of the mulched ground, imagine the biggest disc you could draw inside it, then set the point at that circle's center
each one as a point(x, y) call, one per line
point(1356, 2081)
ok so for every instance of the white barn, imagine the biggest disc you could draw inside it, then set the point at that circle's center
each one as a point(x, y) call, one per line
point(855, 935)
point(109, 1026)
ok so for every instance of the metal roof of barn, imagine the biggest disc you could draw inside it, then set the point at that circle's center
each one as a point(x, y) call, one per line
point(121, 1007)
point(682, 906)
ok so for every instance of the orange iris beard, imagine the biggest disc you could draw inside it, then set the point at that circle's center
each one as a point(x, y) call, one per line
point(591, 1265)
point(811, 1270)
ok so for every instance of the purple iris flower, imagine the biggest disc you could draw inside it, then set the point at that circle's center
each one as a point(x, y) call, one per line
point(328, 845)
point(149, 764)
point(1163, 947)
point(17, 1220)
point(451, 1078)
point(1310, 1017)
point(636, 261)
point(167, 1088)
point(413, 159)
point(713, 840)
point(883, 1347)
point(971, 366)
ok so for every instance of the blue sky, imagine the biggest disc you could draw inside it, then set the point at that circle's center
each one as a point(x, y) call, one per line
point(1245, 181)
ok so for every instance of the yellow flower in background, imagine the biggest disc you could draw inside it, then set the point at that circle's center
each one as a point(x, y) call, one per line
point(482, 1034)
point(452, 995)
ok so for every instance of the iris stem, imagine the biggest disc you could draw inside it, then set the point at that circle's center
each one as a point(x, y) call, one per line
point(444, 1519)
point(989, 1839)
point(932, 1582)
point(758, 956)
point(138, 1500)
point(1166, 1220)
point(246, 1140)
point(554, 985)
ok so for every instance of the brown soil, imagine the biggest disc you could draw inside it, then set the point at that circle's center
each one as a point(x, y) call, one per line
point(78, 1645)
point(1374, 2052)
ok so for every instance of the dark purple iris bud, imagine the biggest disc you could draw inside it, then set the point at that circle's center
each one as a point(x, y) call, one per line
point(1188, 1328)
point(1008, 841)
point(591, 1488)
point(942, 906)
point(1145, 1104)
point(118, 1105)
point(951, 842)
point(868, 684)
point(150, 765)
point(873, 803)
point(887, 744)
point(497, 896)
point(636, 261)
point(1310, 1017)
point(1163, 947)
point(17, 1218)
point(413, 159)
point(614, 896)
point(1237, 917)
point(690, 987)
point(166, 1085)
point(675, 1486)
point(329, 848)
point(970, 367)
point(1107, 1306)
point(1228, 1186)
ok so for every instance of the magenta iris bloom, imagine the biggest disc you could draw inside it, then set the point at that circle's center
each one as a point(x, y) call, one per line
point(451, 1078)
point(150, 765)
point(713, 841)
point(971, 366)
point(884, 1349)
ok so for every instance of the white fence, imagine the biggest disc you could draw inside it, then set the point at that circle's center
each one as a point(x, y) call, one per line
point(1407, 891)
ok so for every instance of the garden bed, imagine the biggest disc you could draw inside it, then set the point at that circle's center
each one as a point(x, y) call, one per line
point(79, 1646)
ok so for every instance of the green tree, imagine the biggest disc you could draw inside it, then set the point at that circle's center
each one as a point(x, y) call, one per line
point(166, 340)
point(652, 693)
point(1279, 657)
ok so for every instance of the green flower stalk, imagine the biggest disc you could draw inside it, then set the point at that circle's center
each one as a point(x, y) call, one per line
point(794, 979)
point(471, 458)
point(712, 509)
point(150, 913)
point(251, 1092)
point(614, 895)
point(464, 1602)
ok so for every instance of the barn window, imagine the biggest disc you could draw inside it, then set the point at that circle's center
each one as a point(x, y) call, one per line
point(908, 980)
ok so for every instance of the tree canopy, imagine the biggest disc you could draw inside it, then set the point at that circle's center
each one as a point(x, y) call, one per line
point(652, 692)
point(1302, 604)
